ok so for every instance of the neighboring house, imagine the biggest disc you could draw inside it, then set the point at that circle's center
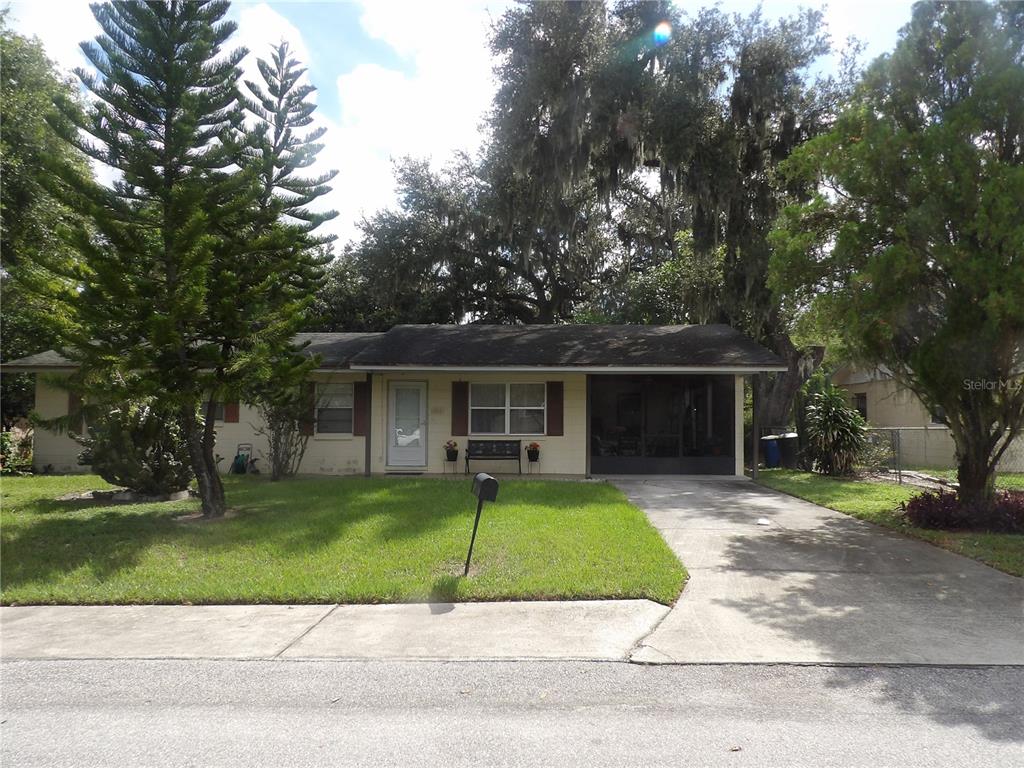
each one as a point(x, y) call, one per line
point(883, 401)
point(598, 399)
point(924, 437)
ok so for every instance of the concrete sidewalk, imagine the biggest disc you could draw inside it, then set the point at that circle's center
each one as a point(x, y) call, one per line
point(808, 586)
point(775, 579)
point(603, 630)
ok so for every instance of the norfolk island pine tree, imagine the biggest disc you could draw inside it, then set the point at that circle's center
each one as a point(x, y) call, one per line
point(191, 284)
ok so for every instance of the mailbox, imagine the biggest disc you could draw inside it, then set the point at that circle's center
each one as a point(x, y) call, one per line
point(485, 487)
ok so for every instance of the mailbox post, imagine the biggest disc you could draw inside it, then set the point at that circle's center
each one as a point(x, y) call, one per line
point(485, 488)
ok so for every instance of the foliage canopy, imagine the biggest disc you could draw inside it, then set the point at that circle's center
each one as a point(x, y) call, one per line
point(914, 243)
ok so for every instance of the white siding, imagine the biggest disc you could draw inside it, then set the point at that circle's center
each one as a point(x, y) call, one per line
point(325, 454)
point(345, 454)
point(561, 455)
point(51, 451)
point(329, 454)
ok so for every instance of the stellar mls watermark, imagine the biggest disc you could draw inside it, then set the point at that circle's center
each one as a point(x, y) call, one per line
point(993, 385)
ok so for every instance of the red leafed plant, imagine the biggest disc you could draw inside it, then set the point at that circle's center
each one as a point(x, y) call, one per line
point(944, 510)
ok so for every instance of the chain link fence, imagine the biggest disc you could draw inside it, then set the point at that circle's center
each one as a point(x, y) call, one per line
point(933, 448)
point(896, 450)
point(884, 452)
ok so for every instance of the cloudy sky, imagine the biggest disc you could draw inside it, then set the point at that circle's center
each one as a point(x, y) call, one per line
point(400, 77)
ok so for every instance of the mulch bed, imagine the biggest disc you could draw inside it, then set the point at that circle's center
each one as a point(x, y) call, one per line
point(123, 496)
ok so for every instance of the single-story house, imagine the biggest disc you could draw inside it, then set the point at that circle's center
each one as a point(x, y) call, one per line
point(882, 401)
point(596, 398)
point(924, 438)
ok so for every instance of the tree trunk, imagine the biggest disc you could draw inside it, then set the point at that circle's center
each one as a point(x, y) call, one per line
point(779, 392)
point(976, 476)
point(200, 449)
point(545, 314)
point(210, 462)
point(278, 454)
point(279, 443)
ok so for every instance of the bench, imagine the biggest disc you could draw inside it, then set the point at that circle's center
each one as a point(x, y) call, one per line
point(495, 450)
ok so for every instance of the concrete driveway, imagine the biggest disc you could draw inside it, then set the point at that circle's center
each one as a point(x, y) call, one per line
point(816, 586)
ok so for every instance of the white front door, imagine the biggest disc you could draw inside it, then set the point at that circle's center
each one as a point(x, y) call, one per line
point(407, 424)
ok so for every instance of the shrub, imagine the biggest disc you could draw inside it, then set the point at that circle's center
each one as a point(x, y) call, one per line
point(835, 432)
point(15, 452)
point(944, 510)
point(283, 411)
point(877, 454)
point(138, 446)
point(936, 509)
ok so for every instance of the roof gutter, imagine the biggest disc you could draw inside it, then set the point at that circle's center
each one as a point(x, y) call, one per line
point(8, 368)
point(733, 369)
point(725, 369)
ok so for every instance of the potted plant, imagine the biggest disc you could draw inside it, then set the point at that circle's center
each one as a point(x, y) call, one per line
point(533, 451)
point(451, 450)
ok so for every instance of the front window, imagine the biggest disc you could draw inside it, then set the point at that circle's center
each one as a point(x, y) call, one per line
point(860, 404)
point(507, 409)
point(218, 411)
point(334, 408)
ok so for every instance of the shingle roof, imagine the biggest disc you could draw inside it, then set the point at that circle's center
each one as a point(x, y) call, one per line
point(567, 346)
point(41, 361)
point(522, 346)
point(336, 350)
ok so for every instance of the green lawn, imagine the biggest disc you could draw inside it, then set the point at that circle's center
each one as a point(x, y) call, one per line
point(352, 540)
point(879, 503)
point(1011, 481)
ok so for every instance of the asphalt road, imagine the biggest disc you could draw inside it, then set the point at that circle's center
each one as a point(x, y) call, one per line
point(292, 713)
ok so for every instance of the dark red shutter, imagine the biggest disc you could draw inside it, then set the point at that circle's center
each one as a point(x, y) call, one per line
point(306, 424)
point(556, 390)
point(360, 407)
point(230, 413)
point(460, 407)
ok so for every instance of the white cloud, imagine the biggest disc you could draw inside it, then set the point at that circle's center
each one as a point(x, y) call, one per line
point(60, 24)
point(260, 28)
point(431, 112)
point(874, 22)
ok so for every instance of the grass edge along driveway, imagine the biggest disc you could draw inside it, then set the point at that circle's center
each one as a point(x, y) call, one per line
point(879, 503)
point(331, 540)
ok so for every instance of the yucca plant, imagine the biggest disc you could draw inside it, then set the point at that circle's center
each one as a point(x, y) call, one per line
point(836, 433)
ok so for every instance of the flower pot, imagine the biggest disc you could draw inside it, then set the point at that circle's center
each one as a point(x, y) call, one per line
point(452, 455)
point(533, 455)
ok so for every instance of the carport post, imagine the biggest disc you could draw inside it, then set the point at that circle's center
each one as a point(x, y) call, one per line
point(367, 439)
point(755, 424)
point(586, 417)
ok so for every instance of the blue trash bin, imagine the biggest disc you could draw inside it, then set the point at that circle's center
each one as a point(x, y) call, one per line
point(771, 452)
